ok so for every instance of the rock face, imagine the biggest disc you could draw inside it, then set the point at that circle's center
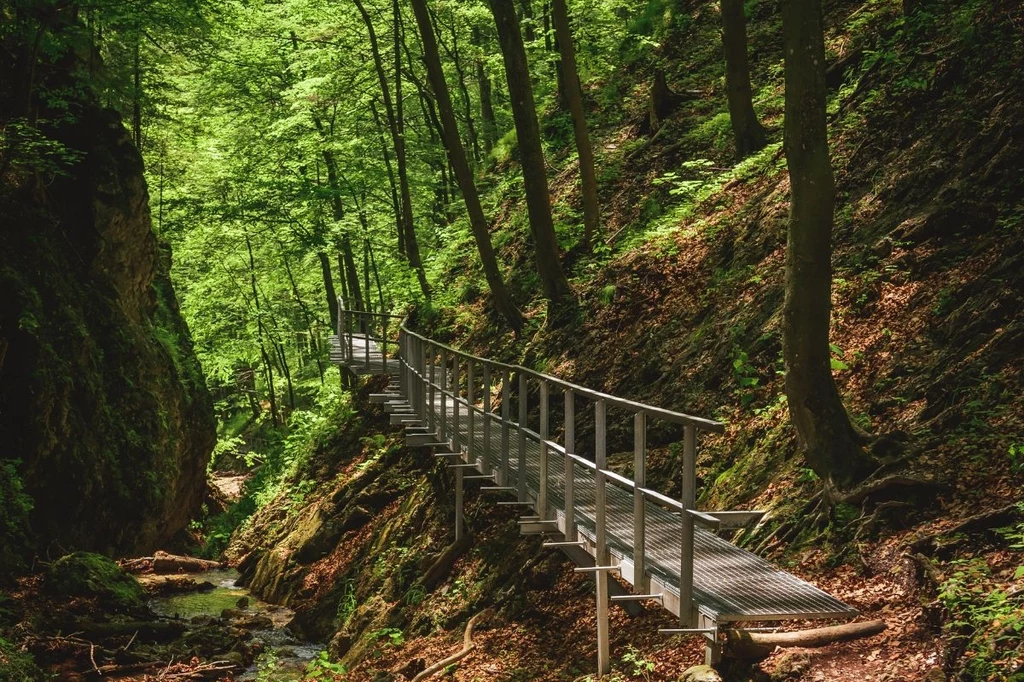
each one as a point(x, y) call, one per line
point(105, 422)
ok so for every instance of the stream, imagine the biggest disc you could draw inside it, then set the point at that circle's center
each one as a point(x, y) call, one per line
point(284, 658)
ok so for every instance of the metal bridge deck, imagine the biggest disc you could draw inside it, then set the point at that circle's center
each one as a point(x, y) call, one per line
point(364, 356)
point(730, 583)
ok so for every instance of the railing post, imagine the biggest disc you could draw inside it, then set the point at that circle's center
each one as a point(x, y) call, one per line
point(506, 416)
point(384, 344)
point(689, 500)
point(604, 665)
point(488, 464)
point(456, 433)
point(431, 375)
point(366, 339)
point(349, 330)
point(470, 415)
point(640, 581)
point(421, 360)
point(521, 463)
point(542, 474)
point(570, 466)
point(443, 386)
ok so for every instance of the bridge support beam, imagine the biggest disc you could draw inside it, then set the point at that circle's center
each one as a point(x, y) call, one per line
point(459, 494)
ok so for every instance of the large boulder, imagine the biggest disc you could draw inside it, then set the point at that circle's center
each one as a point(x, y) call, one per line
point(84, 574)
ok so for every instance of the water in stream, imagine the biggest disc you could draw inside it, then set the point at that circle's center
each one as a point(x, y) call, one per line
point(289, 655)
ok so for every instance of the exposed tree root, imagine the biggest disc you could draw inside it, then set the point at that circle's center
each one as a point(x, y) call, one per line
point(929, 544)
point(743, 644)
point(442, 566)
point(467, 647)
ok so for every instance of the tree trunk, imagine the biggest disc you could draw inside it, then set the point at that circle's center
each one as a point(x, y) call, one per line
point(467, 103)
point(395, 124)
point(526, 7)
point(750, 136)
point(524, 112)
point(332, 296)
point(463, 172)
point(744, 644)
point(267, 364)
point(487, 122)
point(307, 316)
point(396, 202)
point(137, 93)
point(828, 441)
point(574, 98)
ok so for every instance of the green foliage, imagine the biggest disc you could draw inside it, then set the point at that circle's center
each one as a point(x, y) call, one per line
point(745, 376)
point(986, 622)
point(321, 668)
point(393, 636)
point(1016, 454)
point(17, 665)
point(84, 574)
point(24, 147)
point(15, 507)
point(638, 665)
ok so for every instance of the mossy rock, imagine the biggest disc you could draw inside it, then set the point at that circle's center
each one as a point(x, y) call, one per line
point(17, 666)
point(84, 574)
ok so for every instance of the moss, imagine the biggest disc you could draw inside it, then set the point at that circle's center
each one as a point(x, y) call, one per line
point(16, 665)
point(84, 574)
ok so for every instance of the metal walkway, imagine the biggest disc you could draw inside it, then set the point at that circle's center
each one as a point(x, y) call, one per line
point(663, 548)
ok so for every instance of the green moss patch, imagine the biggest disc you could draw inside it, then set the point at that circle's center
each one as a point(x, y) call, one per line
point(84, 574)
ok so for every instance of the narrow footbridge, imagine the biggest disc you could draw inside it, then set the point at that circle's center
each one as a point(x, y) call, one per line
point(663, 549)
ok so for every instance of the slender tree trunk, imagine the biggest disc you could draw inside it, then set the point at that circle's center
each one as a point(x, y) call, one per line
point(332, 296)
point(396, 202)
point(574, 98)
point(750, 136)
point(829, 442)
point(463, 173)
point(267, 364)
point(467, 102)
point(395, 124)
point(287, 374)
point(487, 123)
point(524, 111)
point(526, 9)
point(307, 316)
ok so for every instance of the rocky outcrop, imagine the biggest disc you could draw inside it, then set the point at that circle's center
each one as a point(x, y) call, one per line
point(105, 422)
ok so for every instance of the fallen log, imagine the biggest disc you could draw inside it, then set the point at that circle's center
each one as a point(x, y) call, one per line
point(467, 646)
point(173, 563)
point(745, 644)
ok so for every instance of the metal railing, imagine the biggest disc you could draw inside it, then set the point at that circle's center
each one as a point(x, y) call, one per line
point(465, 385)
point(366, 338)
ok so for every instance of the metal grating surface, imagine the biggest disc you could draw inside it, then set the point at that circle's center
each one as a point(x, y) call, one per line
point(362, 362)
point(730, 584)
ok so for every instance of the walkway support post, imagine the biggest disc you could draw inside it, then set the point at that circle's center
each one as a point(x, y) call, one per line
point(689, 501)
point(471, 412)
point(570, 466)
point(456, 433)
point(506, 417)
point(458, 504)
point(521, 465)
point(641, 584)
point(542, 486)
point(443, 384)
point(604, 664)
point(488, 464)
point(432, 379)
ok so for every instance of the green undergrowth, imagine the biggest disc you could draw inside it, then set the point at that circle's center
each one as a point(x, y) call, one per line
point(17, 665)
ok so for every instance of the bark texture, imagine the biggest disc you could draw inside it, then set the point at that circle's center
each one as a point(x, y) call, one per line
point(747, 130)
point(827, 439)
point(574, 99)
point(463, 172)
point(524, 112)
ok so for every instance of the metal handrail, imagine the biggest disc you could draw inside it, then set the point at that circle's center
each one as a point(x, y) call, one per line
point(701, 423)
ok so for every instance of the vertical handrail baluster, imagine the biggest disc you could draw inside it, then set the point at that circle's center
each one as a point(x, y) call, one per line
point(521, 461)
point(570, 467)
point(456, 409)
point(487, 458)
point(640, 582)
point(471, 412)
point(443, 386)
point(506, 417)
point(600, 527)
point(542, 469)
point(689, 501)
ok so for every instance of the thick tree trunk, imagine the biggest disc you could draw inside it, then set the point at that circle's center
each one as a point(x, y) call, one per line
point(827, 439)
point(750, 136)
point(524, 112)
point(395, 125)
point(574, 98)
point(463, 173)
